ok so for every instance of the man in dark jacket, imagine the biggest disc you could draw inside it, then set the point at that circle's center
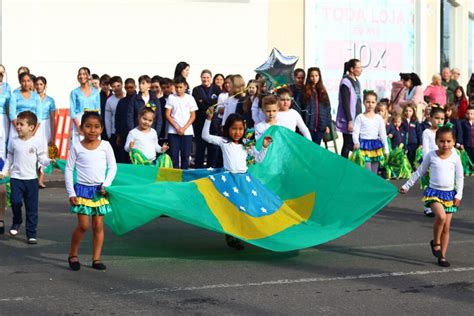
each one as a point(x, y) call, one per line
point(105, 93)
point(121, 128)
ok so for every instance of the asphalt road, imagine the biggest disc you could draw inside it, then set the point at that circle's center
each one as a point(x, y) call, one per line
point(171, 268)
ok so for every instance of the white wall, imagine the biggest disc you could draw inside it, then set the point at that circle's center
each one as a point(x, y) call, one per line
point(131, 38)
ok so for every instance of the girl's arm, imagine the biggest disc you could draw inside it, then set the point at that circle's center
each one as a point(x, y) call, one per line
point(302, 126)
point(12, 109)
point(68, 172)
point(383, 134)
point(459, 173)
point(356, 130)
point(9, 160)
point(130, 137)
point(426, 147)
point(211, 139)
point(259, 155)
point(52, 125)
point(111, 165)
point(417, 174)
point(155, 142)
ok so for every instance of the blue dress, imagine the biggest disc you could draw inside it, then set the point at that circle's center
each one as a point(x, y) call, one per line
point(19, 104)
point(5, 95)
point(78, 103)
point(48, 106)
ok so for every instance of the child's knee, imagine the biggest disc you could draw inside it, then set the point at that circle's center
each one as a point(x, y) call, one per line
point(98, 227)
point(83, 226)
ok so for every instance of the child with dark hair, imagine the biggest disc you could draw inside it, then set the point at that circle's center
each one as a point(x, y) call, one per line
point(460, 101)
point(25, 152)
point(180, 112)
point(298, 89)
point(145, 97)
point(111, 109)
point(105, 93)
point(467, 133)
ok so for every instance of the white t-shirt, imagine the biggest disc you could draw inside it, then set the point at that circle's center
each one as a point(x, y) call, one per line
point(428, 141)
point(291, 119)
point(445, 174)
point(370, 129)
point(230, 105)
point(181, 108)
point(91, 166)
point(234, 155)
point(260, 129)
point(146, 142)
point(109, 116)
point(23, 157)
point(221, 102)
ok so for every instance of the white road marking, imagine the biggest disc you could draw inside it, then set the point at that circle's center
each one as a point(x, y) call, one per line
point(297, 281)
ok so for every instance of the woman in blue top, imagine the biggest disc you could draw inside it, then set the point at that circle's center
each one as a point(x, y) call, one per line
point(47, 130)
point(82, 98)
point(24, 100)
point(5, 95)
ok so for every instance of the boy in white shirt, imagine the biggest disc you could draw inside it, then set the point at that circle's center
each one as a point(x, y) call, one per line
point(180, 113)
point(270, 109)
point(23, 155)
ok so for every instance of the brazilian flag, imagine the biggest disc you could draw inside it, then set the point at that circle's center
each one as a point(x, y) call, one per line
point(301, 195)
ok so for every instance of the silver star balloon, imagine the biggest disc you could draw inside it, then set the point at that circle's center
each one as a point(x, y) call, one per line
point(278, 69)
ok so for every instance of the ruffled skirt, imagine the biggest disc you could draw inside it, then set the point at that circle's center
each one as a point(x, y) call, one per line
point(445, 198)
point(371, 149)
point(90, 201)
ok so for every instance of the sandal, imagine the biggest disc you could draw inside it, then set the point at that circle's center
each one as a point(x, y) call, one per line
point(74, 265)
point(437, 253)
point(96, 264)
point(442, 262)
point(2, 228)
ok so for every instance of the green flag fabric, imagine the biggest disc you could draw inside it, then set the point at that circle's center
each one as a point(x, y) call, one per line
point(316, 195)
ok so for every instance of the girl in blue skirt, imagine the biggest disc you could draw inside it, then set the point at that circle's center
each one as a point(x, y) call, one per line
point(444, 193)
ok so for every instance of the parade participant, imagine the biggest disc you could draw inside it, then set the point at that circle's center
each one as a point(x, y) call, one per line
point(288, 117)
point(25, 152)
point(235, 155)
point(444, 193)
point(414, 132)
point(180, 112)
point(270, 108)
point(22, 100)
point(47, 128)
point(82, 98)
point(144, 138)
point(350, 104)
point(316, 102)
point(94, 162)
point(369, 134)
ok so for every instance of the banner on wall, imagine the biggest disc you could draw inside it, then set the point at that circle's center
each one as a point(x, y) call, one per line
point(378, 32)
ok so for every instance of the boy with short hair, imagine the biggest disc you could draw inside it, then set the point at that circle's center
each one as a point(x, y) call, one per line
point(121, 128)
point(24, 153)
point(156, 86)
point(467, 132)
point(270, 109)
point(105, 93)
point(167, 88)
point(145, 97)
point(180, 112)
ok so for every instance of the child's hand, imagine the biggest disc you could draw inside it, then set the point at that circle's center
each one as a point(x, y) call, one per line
point(327, 131)
point(102, 190)
point(53, 161)
point(118, 140)
point(456, 202)
point(402, 190)
point(180, 131)
point(73, 200)
point(267, 141)
point(356, 146)
point(210, 113)
point(390, 136)
point(165, 147)
point(132, 144)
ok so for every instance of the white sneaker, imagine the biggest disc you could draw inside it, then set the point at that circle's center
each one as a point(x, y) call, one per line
point(13, 232)
point(32, 241)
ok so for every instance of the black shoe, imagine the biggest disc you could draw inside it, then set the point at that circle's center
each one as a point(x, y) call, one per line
point(429, 213)
point(96, 264)
point(442, 262)
point(233, 242)
point(2, 228)
point(74, 265)
point(436, 253)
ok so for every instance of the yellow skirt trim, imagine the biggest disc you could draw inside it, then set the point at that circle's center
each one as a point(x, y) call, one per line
point(91, 203)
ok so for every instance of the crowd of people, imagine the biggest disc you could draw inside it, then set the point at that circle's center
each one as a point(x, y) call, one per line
point(110, 120)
